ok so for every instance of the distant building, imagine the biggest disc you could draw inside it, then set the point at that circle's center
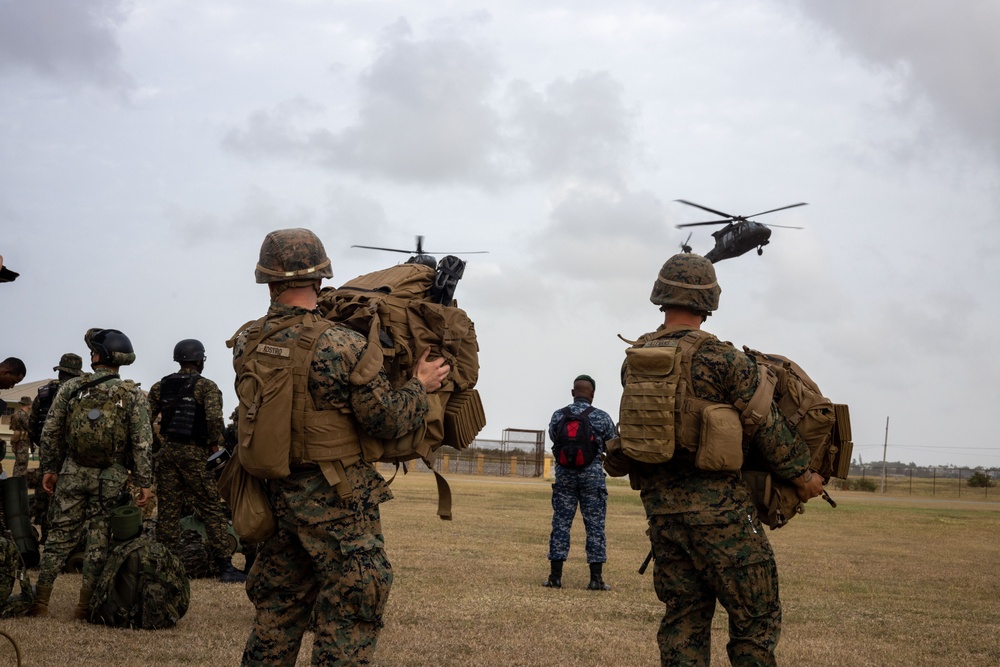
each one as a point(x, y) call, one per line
point(11, 398)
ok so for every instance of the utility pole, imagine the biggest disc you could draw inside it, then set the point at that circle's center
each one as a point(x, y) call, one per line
point(885, 446)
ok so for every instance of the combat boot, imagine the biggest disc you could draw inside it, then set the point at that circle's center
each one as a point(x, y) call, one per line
point(229, 574)
point(555, 576)
point(597, 578)
point(40, 607)
point(82, 611)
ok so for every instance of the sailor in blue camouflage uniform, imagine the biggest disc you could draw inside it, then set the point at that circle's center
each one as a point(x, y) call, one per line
point(84, 452)
point(707, 541)
point(326, 564)
point(583, 486)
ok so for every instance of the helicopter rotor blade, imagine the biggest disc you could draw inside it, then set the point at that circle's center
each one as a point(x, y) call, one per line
point(778, 209)
point(705, 208)
point(372, 247)
point(699, 224)
point(420, 244)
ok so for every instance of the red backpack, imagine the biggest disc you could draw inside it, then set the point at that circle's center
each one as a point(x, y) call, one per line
point(574, 445)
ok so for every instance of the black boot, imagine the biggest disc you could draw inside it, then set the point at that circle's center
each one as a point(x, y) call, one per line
point(596, 578)
point(229, 574)
point(555, 577)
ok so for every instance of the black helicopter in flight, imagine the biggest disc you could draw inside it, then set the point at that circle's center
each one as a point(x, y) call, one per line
point(447, 272)
point(418, 256)
point(740, 234)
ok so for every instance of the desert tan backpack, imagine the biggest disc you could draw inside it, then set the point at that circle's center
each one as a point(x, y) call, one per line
point(394, 309)
point(825, 426)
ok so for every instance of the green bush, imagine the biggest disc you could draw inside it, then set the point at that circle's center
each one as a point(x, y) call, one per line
point(857, 484)
point(863, 484)
point(980, 479)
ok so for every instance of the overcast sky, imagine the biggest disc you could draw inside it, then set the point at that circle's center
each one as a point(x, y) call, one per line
point(146, 148)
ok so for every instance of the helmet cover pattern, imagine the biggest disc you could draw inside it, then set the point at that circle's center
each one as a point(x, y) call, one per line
point(292, 254)
point(687, 280)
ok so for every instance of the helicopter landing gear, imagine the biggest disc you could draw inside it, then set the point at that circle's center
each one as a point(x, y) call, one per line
point(760, 251)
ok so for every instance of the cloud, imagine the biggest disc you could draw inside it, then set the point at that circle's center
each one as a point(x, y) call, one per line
point(259, 213)
point(434, 111)
point(423, 116)
point(578, 127)
point(595, 227)
point(947, 51)
point(65, 40)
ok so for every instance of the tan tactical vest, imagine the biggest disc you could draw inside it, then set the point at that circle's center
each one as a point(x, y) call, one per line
point(278, 423)
point(660, 412)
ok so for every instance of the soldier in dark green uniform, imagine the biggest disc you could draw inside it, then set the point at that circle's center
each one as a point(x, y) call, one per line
point(327, 560)
point(70, 366)
point(191, 428)
point(97, 423)
point(707, 540)
point(19, 440)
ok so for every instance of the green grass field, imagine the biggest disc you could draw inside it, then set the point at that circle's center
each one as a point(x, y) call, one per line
point(877, 581)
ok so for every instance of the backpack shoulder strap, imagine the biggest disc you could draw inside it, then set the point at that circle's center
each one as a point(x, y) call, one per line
point(93, 383)
point(754, 412)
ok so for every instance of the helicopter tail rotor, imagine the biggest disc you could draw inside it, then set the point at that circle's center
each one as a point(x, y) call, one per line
point(684, 246)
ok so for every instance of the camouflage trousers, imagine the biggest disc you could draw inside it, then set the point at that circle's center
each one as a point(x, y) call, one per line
point(332, 577)
point(584, 487)
point(704, 556)
point(12, 571)
point(82, 505)
point(182, 481)
point(21, 448)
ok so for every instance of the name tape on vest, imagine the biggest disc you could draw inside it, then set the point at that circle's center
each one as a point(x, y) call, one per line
point(274, 350)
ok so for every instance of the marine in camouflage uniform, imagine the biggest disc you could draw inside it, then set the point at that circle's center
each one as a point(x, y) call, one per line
point(19, 441)
point(580, 486)
point(84, 496)
point(707, 541)
point(327, 559)
point(191, 428)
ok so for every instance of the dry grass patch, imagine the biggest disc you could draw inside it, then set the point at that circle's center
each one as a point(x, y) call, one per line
point(873, 582)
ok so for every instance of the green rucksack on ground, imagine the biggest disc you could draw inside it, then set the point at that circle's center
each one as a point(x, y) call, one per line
point(143, 586)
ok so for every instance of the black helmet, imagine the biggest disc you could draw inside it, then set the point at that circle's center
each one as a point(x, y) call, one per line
point(189, 349)
point(111, 345)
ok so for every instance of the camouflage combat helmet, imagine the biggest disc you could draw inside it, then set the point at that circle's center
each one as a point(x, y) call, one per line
point(70, 363)
point(189, 349)
point(111, 346)
point(292, 255)
point(687, 280)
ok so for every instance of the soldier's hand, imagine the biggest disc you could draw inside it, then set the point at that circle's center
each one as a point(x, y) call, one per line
point(49, 480)
point(145, 494)
point(808, 485)
point(431, 374)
